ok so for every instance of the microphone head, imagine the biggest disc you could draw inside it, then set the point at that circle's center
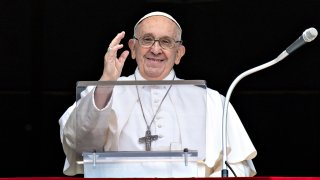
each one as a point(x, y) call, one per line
point(309, 34)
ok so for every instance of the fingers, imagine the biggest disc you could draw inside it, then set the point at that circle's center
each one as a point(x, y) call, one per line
point(112, 51)
point(117, 39)
point(115, 45)
point(112, 63)
point(123, 56)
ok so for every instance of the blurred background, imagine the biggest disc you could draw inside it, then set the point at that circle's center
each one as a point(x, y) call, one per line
point(46, 46)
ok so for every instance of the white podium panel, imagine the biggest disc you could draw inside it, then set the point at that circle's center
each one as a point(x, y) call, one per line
point(141, 164)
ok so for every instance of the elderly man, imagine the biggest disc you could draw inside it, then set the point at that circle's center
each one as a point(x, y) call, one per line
point(122, 119)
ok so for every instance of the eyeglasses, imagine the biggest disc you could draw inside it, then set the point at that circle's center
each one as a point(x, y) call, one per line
point(164, 42)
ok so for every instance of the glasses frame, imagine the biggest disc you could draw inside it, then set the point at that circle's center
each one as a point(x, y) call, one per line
point(155, 40)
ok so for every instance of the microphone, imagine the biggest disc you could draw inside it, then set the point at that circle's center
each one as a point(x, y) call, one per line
point(307, 36)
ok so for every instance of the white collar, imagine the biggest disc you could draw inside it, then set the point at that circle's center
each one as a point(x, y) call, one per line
point(170, 76)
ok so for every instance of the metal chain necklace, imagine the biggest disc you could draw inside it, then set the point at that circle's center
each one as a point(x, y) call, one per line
point(148, 138)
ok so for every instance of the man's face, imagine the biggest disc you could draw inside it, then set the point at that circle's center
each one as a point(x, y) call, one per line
point(155, 62)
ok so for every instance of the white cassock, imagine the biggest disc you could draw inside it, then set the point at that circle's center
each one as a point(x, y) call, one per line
point(119, 125)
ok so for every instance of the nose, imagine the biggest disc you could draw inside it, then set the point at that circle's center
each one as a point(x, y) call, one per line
point(156, 48)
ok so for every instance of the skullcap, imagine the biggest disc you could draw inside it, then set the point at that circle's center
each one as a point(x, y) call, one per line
point(158, 13)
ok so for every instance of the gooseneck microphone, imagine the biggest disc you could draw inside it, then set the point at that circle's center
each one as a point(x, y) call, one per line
point(307, 36)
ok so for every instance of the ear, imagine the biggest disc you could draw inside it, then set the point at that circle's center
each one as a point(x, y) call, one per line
point(131, 44)
point(180, 52)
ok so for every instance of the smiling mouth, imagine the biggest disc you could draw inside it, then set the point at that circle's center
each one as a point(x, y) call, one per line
point(157, 60)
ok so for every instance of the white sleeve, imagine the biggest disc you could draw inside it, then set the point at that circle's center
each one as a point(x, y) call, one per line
point(91, 120)
point(241, 169)
point(239, 146)
point(63, 119)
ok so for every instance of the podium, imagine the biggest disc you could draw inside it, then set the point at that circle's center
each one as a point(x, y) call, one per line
point(126, 164)
point(178, 156)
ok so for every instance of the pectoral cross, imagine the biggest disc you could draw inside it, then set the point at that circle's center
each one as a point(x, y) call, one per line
point(147, 139)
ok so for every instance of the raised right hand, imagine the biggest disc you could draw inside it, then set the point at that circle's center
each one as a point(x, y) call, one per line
point(112, 64)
